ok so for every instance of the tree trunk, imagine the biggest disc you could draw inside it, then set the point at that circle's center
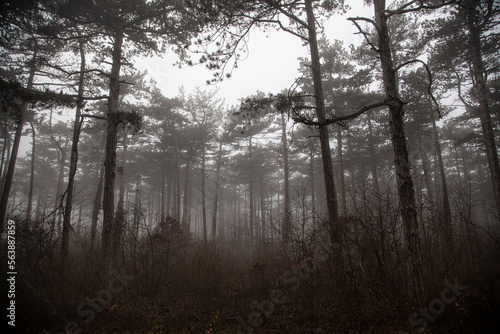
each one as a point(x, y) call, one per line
point(41, 209)
point(185, 209)
point(263, 213)
point(373, 159)
point(326, 155)
point(222, 226)
point(216, 191)
point(58, 205)
point(286, 228)
point(271, 221)
point(400, 147)
point(427, 180)
point(73, 160)
point(459, 172)
point(163, 181)
point(119, 221)
point(311, 177)
point(137, 209)
point(169, 195)
point(108, 203)
point(343, 211)
point(177, 180)
point(251, 191)
point(5, 149)
point(256, 218)
point(447, 228)
point(203, 199)
point(97, 205)
point(32, 174)
point(15, 146)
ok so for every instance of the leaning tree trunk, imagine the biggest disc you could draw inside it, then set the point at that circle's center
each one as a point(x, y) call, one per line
point(108, 202)
point(15, 146)
point(326, 155)
point(66, 228)
point(401, 161)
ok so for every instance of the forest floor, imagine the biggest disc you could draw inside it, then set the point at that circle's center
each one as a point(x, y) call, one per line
point(299, 314)
point(176, 287)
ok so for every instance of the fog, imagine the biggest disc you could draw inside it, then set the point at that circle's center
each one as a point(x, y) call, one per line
point(249, 166)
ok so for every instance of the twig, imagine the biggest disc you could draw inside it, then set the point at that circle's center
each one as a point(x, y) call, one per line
point(364, 33)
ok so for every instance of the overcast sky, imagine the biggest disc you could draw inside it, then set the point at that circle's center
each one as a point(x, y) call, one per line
point(271, 65)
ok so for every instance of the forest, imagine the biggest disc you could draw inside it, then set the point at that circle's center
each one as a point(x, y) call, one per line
point(362, 198)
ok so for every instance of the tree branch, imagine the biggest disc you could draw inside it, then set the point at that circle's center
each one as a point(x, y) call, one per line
point(94, 116)
point(291, 31)
point(460, 96)
point(488, 15)
point(364, 33)
point(404, 9)
point(429, 75)
point(303, 120)
point(295, 18)
point(101, 72)
point(357, 18)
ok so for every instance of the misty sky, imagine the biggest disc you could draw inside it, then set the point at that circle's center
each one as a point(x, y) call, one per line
point(270, 67)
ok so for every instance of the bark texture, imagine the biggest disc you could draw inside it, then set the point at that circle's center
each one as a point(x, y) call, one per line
point(401, 161)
